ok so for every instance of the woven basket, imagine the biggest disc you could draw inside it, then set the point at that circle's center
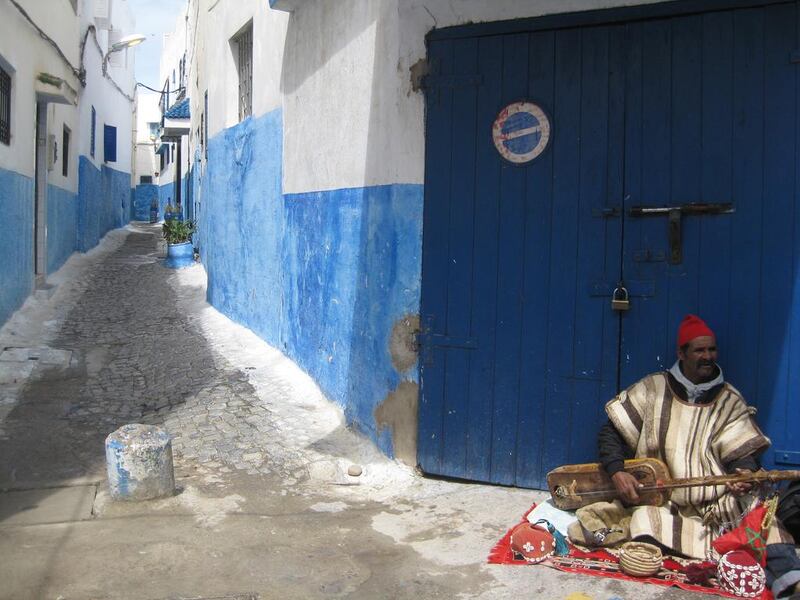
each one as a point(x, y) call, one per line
point(640, 559)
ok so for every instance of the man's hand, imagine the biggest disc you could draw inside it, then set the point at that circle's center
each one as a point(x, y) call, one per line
point(739, 489)
point(627, 486)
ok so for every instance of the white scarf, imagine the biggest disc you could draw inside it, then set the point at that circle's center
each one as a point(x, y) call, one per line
point(694, 390)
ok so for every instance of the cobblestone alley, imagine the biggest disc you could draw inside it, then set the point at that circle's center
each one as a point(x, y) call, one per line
point(270, 503)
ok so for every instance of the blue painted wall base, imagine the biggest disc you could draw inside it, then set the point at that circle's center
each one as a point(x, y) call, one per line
point(74, 222)
point(324, 276)
point(144, 195)
point(16, 241)
point(103, 202)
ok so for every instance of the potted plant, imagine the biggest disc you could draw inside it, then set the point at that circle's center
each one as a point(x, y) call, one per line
point(178, 235)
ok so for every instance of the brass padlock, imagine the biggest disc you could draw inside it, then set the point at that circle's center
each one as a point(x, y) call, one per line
point(620, 300)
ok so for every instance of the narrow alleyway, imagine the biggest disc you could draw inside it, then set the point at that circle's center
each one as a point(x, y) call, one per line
point(265, 505)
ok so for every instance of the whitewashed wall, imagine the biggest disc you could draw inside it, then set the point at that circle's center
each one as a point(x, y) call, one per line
point(219, 21)
point(172, 50)
point(147, 111)
point(27, 54)
point(351, 117)
point(112, 107)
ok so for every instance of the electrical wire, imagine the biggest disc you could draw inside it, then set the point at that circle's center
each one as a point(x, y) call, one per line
point(175, 91)
point(80, 74)
point(93, 30)
point(48, 39)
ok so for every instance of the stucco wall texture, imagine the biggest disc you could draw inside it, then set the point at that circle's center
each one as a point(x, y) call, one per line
point(16, 241)
point(104, 197)
point(311, 211)
point(145, 193)
point(324, 276)
point(61, 226)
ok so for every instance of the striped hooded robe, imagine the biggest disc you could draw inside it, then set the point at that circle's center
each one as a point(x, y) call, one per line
point(694, 440)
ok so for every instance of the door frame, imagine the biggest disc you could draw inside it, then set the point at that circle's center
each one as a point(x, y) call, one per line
point(600, 16)
point(41, 166)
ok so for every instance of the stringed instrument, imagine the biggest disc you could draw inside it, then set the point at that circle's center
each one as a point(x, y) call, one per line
point(575, 486)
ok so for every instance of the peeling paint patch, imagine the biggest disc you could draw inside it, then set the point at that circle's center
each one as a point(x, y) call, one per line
point(399, 414)
point(403, 343)
point(418, 71)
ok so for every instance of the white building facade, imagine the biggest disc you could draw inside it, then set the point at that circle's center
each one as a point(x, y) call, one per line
point(66, 149)
point(429, 206)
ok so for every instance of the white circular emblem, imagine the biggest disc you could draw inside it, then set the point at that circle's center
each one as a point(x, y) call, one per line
point(521, 132)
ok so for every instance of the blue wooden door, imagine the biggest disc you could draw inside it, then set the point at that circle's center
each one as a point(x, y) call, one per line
point(711, 117)
point(520, 349)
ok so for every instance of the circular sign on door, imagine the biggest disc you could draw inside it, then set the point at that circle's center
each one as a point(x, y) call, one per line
point(521, 132)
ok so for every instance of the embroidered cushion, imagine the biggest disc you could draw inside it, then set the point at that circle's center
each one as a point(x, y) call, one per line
point(532, 542)
point(740, 574)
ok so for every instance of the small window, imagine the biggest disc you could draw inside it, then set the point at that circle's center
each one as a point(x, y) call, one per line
point(243, 47)
point(94, 132)
point(110, 143)
point(5, 107)
point(146, 179)
point(205, 125)
point(153, 127)
point(161, 167)
point(65, 152)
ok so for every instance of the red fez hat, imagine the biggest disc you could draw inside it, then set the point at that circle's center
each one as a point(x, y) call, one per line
point(692, 327)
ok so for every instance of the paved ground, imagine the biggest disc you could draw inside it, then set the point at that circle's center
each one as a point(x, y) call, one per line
point(266, 507)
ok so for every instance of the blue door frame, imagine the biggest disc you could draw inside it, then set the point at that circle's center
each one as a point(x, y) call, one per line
point(660, 105)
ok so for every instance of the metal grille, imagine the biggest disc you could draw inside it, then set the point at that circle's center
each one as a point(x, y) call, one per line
point(245, 45)
point(5, 107)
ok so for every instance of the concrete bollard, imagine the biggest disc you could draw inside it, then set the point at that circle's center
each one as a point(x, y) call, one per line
point(139, 463)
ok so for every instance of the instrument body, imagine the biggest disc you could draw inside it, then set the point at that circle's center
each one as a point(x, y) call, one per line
point(569, 484)
point(575, 486)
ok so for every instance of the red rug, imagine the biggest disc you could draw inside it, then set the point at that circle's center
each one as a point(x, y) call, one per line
point(604, 564)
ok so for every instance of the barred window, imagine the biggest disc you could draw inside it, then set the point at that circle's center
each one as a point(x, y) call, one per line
point(5, 107)
point(244, 50)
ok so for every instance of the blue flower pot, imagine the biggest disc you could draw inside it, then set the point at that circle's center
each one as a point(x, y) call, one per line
point(179, 255)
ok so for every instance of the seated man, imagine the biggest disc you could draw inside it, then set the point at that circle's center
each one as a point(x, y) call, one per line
point(697, 424)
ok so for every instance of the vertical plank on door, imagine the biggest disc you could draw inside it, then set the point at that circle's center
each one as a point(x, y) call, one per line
point(480, 399)
point(538, 238)
point(777, 209)
point(591, 311)
point(510, 266)
point(741, 352)
point(562, 292)
point(714, 264)
point(791, 427)
point(438, 146)
point(458, 282)
point(648, 168)
point(685, 177)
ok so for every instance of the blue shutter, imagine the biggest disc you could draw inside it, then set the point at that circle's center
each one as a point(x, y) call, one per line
point(110, 143)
